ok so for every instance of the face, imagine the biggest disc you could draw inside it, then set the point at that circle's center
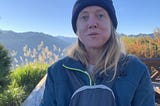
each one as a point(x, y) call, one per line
point(93, 27)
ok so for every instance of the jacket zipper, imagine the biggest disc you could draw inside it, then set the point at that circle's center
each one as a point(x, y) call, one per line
point(82, 71)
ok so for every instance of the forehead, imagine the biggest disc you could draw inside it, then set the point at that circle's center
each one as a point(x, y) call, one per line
point(92, 9)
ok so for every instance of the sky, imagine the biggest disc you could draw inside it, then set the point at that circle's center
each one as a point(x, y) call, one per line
point(54, 16)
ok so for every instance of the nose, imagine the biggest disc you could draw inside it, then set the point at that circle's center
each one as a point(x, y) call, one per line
point(92, 26)
point(92, 23)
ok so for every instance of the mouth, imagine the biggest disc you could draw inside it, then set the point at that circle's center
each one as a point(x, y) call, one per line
point(93, 34)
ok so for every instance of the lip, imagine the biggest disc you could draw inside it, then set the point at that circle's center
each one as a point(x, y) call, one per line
point(93, 34)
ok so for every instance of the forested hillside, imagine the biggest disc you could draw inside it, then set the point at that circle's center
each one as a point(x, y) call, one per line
point(143, 46)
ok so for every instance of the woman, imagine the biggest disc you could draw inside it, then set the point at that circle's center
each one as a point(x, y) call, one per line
point(97, 52)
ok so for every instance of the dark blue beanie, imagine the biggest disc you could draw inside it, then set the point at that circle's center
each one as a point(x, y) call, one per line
point(81, 4)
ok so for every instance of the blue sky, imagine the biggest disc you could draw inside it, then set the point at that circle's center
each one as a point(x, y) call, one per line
point(53, 16)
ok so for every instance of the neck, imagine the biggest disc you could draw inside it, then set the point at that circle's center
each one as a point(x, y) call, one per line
point(93, 54)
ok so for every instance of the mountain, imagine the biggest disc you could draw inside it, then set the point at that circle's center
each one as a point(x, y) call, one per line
point(17, 41)
point(13, 40)
point(56, 44)
point(140, 34)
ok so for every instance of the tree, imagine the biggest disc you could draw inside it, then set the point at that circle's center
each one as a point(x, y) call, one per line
point(5, 64)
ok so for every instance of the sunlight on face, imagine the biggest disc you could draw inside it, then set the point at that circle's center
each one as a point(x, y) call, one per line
point(93, 27)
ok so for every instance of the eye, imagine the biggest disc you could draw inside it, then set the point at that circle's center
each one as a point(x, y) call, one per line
point(84, 17)
point(100, 16)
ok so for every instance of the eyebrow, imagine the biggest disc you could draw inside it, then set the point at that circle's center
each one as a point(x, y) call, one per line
point(98, 10)
point(83, 12)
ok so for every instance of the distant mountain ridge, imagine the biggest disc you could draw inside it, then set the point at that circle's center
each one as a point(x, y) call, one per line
point(11, 39)
point(16, 41)
point(140, 34)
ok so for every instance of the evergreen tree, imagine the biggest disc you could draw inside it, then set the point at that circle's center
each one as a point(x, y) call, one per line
point(5, 64)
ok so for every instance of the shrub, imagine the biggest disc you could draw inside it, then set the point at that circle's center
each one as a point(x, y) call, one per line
point(29, 75)
point(13, 96)
point(23, 81)
point(5, 64)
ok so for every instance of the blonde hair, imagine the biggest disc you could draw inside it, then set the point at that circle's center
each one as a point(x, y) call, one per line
point(109, 54)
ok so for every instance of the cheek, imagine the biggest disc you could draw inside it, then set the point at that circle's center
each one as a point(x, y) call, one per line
point(107, 29)
point(81, 29)
point(106, 34)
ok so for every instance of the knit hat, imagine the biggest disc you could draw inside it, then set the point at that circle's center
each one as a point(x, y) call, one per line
point(81, 4)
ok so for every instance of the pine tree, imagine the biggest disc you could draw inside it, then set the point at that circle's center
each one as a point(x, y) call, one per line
point(5, 64)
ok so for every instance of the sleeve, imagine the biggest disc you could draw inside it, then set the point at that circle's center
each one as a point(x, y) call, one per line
point(144, 94)
point(49, 98)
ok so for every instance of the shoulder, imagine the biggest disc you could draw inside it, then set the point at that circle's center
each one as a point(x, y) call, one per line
point(131, 60)
point(58, 65)
point(59, 62)
point(132, 70)
point(135, 62)
point(132, 66)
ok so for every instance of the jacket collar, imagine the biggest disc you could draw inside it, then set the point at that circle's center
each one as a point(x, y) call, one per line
point(72, 63)
point(77, 64)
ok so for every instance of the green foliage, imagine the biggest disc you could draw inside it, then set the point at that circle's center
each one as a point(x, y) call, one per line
point(5, 64)
point(143, 46)
point(13, 96)
point(28, 76)
point(23, 81)
point(25, 75)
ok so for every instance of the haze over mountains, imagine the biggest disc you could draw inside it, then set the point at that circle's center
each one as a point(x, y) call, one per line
point(13, 40)
point(16, 41)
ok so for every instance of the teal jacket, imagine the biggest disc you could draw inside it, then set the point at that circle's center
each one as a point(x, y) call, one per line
point(132, 86)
